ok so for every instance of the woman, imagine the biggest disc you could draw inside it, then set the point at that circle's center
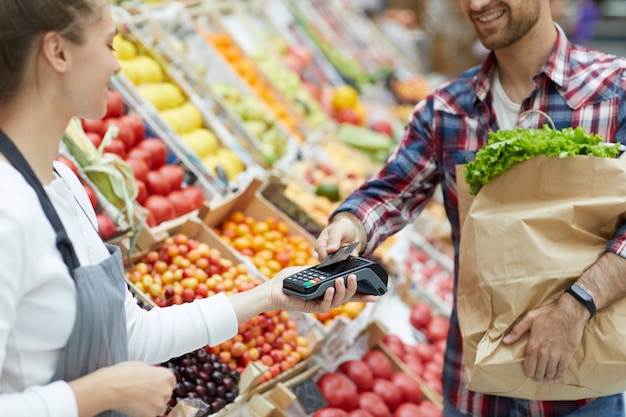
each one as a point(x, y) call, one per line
point(73, 341)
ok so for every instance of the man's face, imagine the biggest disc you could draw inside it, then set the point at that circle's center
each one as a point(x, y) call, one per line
point(501, 23)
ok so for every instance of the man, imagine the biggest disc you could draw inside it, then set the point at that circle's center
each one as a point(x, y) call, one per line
point(532, 66)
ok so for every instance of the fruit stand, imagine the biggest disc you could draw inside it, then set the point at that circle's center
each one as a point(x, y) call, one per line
point(236, 131)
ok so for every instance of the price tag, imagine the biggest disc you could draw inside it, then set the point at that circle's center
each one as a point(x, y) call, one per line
point(309, 396)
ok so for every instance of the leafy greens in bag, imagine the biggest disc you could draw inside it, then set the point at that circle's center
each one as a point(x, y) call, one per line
point(506, 147)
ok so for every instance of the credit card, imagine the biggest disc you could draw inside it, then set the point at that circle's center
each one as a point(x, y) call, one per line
point(340, 255)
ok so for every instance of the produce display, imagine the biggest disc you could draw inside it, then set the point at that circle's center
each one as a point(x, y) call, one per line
point(429, 274)
point(426, 357)
point(201, 374)
point(270, 339)
point(174, 106)
point(409, 91)
point(181, 269)
point(288, 82)
point(257, 120)
point(267, 242)
point(266, 48)
point(373, 383)
point(228, 81)
point(159, 177)
point(349, 67)
point(246, 69)
point(107, 227)
point(271, 247)
point(231, 134)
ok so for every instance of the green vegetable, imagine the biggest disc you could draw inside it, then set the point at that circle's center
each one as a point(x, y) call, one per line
point(364, 139)
point(330, 191)
point(506, 147)
point(108, 172)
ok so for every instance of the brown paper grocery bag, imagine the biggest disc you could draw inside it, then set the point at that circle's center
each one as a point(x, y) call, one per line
point(527, 235)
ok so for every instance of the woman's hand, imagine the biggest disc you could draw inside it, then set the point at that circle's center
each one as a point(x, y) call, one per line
point(270, 296)
point(343, 291)
point(133, 388)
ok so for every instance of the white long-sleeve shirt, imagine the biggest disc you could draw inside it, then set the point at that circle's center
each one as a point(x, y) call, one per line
point(37, 299)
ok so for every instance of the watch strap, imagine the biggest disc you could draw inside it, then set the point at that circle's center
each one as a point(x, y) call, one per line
point(582, 297)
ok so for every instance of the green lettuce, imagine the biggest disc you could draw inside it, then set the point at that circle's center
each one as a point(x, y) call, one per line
point(506, 147)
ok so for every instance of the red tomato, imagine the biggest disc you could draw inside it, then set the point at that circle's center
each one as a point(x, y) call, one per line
point(383, 126)
point(93, 199)
point(429, 409)
point(94, 126)
point(174, 175)
point(140, 169)
point(338, 391)
point(106, 227)
point(434, 367)
point(95, 138)
point(330, 412)
point(437, 329)
point(433, 380)
point(161, 208)
point(372, 402)
point(360, 413)
point(424, 351)
point(182, 204)
point(136, 124)
point(115, 104)
point(409, 388)
point(157, 149)
point(117, 147)
point(379, 363)
point(68, 162)
point(195, 195)
point(440, 345)
point(395, 344)
point(388, 392)
point(359, 373)
point(348, 115)
point(142, 192)
point(144, 155)
point(409, 410)
point(420, 315)
point(125, 132)
point(157, 183)
point(415, 365)
point(147, 216)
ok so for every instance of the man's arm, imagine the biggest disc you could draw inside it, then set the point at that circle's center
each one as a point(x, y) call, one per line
point(556, 329)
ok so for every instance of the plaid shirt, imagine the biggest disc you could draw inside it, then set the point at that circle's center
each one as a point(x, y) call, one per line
point(576, 87)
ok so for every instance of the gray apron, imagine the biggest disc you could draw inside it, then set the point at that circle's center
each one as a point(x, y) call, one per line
point(98, 338)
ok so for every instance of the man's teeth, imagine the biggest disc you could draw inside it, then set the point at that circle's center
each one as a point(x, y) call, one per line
point(490, 17)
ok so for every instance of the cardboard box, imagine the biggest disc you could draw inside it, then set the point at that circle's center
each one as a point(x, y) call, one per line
point(251, 203)
point(313, 338)
point(279, 400)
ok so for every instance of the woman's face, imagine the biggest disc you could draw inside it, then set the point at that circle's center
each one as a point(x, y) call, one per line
point(91, 67)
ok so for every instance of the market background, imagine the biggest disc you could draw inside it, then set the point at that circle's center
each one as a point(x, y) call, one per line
point(233, 131)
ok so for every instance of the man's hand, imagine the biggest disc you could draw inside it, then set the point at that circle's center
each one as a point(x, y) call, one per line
point(344, 230)
point(556, 330)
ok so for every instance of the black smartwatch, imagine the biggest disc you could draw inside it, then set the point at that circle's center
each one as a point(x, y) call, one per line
point(583, 297)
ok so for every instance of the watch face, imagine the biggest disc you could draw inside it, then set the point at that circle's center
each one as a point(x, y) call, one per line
point(584, 295)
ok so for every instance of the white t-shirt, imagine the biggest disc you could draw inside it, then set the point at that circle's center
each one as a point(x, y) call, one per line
point(506, 110)
point(37, 299)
